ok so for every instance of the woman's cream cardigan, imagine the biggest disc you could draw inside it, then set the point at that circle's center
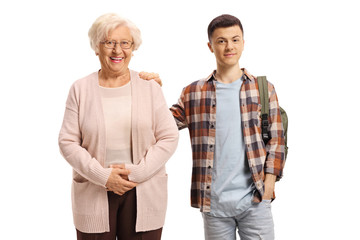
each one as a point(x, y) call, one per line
point(82, 142)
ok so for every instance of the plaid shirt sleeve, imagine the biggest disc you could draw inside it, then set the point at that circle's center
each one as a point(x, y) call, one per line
point(262, 159)
point(275, 160)
point(178, 111)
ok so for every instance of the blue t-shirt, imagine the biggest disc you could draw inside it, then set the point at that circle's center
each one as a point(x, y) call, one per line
point(232, 185)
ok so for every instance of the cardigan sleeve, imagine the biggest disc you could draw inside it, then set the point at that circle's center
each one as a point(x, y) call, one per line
point(70, 140)
point(166, 136)
point(275, 148)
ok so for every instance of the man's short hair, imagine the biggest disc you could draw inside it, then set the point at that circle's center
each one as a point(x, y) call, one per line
point(222, 21)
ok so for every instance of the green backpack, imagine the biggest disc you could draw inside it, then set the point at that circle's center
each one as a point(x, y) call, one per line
point(264, 99)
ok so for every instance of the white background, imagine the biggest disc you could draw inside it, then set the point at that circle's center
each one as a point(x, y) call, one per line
point(308, 49)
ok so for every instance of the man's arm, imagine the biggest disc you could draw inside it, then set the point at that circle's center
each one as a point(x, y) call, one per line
point(178, 111)
point(275, 148)
point(269, 186)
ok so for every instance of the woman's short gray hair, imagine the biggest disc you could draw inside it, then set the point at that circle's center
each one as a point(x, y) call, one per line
point(107, 23)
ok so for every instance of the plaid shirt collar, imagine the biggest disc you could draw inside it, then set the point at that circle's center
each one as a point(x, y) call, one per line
point(244, 77)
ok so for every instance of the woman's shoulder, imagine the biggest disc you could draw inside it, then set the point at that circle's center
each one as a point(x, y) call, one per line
point(87, 80)
point(83, 85)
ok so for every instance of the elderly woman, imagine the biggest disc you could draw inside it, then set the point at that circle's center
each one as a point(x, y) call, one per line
point(117, 134)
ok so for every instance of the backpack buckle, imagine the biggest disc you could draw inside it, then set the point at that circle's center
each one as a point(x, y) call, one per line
point(264, 127)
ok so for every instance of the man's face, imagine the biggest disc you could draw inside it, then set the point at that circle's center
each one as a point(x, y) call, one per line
point(227, 44)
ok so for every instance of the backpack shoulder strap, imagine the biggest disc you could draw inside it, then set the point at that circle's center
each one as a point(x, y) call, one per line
point(264, 100)
point(264, 94)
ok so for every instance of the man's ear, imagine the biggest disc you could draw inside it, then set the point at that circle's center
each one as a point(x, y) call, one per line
point(210, 47)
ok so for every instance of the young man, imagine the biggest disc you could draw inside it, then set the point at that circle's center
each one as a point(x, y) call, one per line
point(234, 172)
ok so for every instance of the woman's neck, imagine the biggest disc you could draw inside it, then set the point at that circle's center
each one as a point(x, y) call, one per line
point(112, 80)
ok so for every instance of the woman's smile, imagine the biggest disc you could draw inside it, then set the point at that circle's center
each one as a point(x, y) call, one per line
point(116, 59)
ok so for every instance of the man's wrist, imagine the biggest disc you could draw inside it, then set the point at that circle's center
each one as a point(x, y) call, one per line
point(270, 177)
point(269, 186)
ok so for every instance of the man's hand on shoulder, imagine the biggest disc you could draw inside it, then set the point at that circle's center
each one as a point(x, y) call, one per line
point(151, 76)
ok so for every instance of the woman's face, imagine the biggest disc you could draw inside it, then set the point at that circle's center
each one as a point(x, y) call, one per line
point(116, 60)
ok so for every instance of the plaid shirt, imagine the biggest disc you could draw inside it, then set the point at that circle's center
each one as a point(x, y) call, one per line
point(196, 110)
